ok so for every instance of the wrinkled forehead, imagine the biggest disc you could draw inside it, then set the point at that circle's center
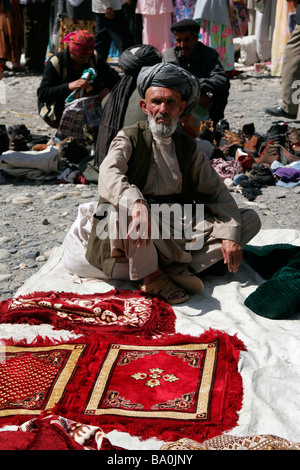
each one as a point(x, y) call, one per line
point(163, 93)
point(185, 35)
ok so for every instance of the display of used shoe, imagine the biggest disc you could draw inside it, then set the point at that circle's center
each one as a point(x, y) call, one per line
point(274, 151)
point(17, 143)
point(279, 112)
point(293, 140)
point(18, 68)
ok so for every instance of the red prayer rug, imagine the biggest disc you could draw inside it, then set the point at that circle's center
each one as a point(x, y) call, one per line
point(33, 377)
point(126, 311)
point(166, 388)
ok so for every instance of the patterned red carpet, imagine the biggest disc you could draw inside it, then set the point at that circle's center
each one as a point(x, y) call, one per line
point(126, 311)
point(168, 387)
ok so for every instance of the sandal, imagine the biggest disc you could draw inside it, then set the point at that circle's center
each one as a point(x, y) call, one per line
point(180, 274)
point(164, 287)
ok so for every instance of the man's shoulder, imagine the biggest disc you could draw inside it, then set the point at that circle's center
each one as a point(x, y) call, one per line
point(170, 55)
point(140, 125)
point(58, 58)
point(202, 50)
point(138, 133)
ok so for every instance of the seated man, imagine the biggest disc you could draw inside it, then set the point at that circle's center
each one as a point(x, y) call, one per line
point(63, 72)
point(203, 62)
point(154, 163)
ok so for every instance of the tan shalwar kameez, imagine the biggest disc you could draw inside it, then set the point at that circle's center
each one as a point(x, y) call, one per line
point(223, 220)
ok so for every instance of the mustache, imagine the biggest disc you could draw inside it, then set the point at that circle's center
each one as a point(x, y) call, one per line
point(161, 116)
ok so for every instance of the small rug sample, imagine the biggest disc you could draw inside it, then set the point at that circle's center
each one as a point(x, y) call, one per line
point(227, 442)
point(33, 377)
point(126, 311)
point(168, 387)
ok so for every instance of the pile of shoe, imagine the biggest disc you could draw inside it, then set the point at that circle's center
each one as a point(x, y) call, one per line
point(258, 154)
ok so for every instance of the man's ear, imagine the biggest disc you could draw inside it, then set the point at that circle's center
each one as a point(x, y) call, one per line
point(183, 106)
point(143, 106)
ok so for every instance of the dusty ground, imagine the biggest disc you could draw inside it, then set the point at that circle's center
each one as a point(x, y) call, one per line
point(29, 232)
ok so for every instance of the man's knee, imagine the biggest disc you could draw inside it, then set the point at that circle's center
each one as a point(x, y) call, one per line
point(251, 225)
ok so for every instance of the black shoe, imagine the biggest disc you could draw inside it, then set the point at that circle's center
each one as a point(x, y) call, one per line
point(279, 112)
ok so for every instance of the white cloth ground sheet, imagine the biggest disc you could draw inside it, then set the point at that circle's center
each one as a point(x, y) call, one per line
point(270, 367)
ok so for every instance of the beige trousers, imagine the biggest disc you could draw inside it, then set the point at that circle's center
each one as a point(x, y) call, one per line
point(291, 73)
point(146, 259)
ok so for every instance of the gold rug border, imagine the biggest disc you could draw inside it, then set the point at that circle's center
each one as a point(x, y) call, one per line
point(61, 382)
point(204, 389)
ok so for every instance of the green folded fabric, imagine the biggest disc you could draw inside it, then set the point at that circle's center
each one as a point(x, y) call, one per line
point(279, 296)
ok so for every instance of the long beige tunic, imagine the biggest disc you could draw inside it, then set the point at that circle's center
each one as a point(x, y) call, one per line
point(223, 219)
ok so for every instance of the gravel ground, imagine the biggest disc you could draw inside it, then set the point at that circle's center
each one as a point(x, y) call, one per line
point(30, 229)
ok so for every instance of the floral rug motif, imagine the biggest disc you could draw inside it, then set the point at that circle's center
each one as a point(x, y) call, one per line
point(173, 386)
point(127, 312)
point(227, 442)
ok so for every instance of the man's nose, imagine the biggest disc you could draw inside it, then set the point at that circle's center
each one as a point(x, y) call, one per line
point(163, 108)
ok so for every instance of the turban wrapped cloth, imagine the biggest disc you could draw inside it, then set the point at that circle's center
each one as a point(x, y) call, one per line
point(80, 42)
point(135, 58)
point(171, 76)
point(131, 62)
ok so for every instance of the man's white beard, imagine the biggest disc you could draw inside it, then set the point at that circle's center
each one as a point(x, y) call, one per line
point(162, 129)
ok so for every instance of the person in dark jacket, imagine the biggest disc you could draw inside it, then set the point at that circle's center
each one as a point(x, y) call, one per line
point(62, 75)
point(121, 107)
point(203, 62)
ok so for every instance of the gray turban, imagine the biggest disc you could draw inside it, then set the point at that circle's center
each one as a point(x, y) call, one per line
point(171, 76)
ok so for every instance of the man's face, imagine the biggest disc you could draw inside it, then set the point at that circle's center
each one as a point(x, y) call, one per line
point(186, 42)
point(163, 107)
point(79, 59)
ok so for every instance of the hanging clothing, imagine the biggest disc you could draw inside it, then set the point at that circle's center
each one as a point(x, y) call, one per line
point(280, 37)
point(215, 29)
point(264, 29)
point(10, 31)
point(183, 9)
point(157, 22)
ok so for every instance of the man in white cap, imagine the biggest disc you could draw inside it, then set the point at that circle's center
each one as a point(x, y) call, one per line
point(155, 163)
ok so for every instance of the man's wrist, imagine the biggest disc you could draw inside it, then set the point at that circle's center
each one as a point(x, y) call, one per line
point(141, 201)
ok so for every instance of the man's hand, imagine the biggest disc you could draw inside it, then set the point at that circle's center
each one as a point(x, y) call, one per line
point(140, 227)
point(205, 101)
point(232, 254)
point(109, 13)
point(78, 84)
